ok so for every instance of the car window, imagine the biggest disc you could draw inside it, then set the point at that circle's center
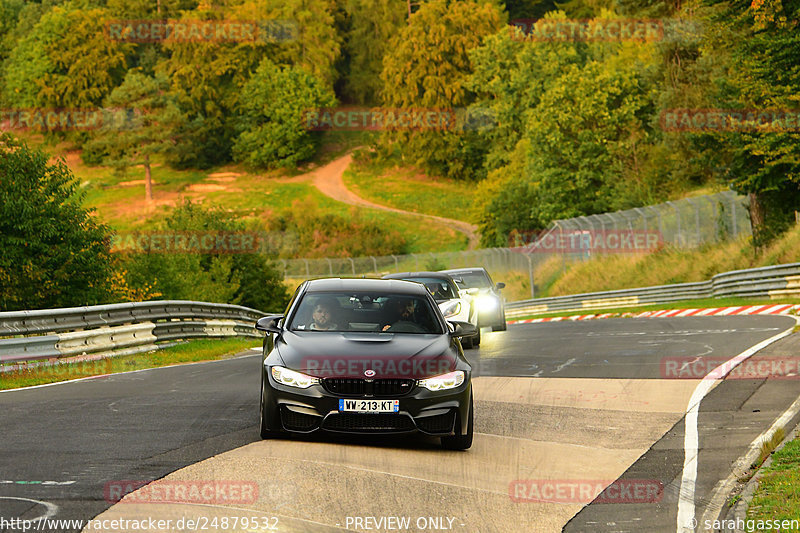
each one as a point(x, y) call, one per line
point(475, 280)
point(440, 289)
point(365, 312)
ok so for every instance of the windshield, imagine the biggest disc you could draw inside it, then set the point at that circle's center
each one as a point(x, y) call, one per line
point(470, 280)
point(439, 288)
point(365, 312)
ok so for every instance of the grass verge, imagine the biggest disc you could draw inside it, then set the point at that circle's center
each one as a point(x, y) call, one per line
point(778, 494)
point(187, 352)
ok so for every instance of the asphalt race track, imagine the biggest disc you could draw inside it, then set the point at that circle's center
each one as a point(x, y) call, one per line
point(558, 404)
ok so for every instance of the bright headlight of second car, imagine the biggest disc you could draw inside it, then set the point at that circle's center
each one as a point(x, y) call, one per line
point(486, 303)
point(451, 309)
point(292, 378)
point(451, 380)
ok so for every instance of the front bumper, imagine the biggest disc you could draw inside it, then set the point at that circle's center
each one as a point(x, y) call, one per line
point(313, 409)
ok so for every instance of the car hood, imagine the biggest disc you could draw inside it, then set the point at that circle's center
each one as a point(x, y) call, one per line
point(351, 354)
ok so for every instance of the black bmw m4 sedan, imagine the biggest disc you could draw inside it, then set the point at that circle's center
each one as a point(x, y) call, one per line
point(365, 356)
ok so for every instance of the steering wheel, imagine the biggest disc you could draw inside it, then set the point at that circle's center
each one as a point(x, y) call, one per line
point(405, 326)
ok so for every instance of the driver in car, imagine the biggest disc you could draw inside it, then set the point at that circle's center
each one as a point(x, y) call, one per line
point(323, 316)
point(402, 310)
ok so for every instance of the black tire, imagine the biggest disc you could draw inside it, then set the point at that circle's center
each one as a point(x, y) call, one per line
point(502, 327)
point(268, 420)
point(466, 343)
point(459, 441)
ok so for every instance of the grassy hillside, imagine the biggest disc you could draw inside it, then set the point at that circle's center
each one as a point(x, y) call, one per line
point(412, 191)
point(119, 199)
point(669, 265)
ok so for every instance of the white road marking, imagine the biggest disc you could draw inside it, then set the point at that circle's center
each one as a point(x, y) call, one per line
point(686, 507)
point(564, 365)
point(741, 466)
point(51, 508)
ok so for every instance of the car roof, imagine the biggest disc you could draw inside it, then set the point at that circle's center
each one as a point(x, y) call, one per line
point(463, 270)
point(365, 284)
point(405, 275)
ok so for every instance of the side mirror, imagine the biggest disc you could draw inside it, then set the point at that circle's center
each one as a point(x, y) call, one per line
point(462, 329)
point(269, 324)
point(500, 285)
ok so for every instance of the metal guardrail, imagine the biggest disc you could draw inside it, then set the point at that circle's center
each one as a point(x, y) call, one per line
point(99, 331)
point(95, 332)
point(771, 282)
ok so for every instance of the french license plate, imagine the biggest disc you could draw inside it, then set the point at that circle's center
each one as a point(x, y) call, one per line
point(369, 406)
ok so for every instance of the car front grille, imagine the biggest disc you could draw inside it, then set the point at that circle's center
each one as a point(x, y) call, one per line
point(293, 420)
point(437, 424)
point(376, 422)
point(368, 387)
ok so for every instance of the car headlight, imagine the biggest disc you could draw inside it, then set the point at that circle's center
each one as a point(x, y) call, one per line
point(451, 380)
point(451, 309)
point(486, 303)
point(292, 378)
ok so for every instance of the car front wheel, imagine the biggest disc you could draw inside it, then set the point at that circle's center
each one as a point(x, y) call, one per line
point(269, 419)
point(459, 441)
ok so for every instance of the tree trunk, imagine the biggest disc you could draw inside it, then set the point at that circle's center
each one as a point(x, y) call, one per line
point(757, 215)
point(148, 181)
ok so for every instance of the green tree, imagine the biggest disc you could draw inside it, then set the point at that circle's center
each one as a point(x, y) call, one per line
point(274, 102)
point(145, 119)
point(66, 61)
point(55, 253)
point(760, 43)
point(373, 23)
point(247, 279)
point(428, 66)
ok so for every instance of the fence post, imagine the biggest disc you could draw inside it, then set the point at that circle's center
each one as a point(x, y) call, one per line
point(644, 217)
point(330, 265)
point(530, 272)
point(308, 273)
point(696, 219)
point(678, 214)
point(374, 263)
point(352, 265)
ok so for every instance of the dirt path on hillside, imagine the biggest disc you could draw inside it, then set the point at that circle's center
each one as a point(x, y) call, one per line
point(328, 179)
